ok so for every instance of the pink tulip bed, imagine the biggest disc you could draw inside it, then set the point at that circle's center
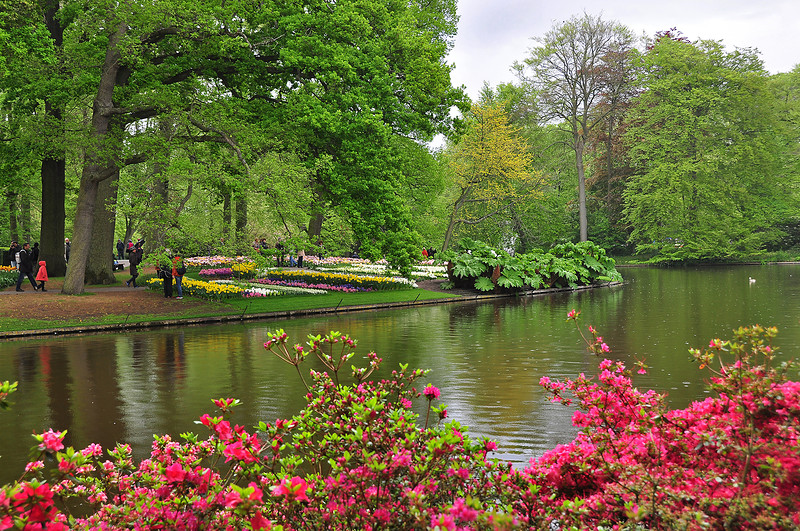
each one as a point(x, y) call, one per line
point(359, 457)
point(345, 288)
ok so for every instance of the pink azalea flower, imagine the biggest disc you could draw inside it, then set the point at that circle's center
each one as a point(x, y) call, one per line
point(431, 392)
point(175, 473)
point(51, 440)
point(294, 488)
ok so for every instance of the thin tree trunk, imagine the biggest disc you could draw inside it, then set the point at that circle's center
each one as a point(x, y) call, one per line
point(154, 233)
point(581, 189)
point(25, 218)
point(241, 219)
point(227, 215)
point(12, 216)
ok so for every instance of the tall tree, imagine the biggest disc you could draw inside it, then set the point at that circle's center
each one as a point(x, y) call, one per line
point(342, 78)
point(705, 158)
point(492, 170)
point(570, 71)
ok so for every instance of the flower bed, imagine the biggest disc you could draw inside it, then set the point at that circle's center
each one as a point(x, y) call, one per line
point(339, 279)
point(218, 272)
point(215, 261)
point(305, 287)
point(202, 289)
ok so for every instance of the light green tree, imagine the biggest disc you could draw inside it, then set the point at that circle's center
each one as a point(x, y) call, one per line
point(492, 171)
point(700, 138)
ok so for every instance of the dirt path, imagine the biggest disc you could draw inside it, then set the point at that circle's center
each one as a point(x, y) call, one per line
point(97, 302)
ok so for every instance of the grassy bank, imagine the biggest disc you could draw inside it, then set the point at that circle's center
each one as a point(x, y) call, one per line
point(115, 304)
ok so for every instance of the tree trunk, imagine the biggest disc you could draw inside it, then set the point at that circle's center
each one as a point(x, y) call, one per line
point(227, 215)
point(53, 172)
point(53, 216)
point(99, 268)
point(97, 166)
point(82, 234)
point(241, 220)
point(449, 233)
point(25, 218)
point(315, 226)
point(12, 216)
point(154, 233)
point(581, 189)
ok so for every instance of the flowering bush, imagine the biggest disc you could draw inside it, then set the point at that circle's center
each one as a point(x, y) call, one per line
point(729, 462)
point(357, 457)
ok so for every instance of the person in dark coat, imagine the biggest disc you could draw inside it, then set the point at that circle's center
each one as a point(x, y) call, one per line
point(135, 258)
point(13, 250)
point(166, 274)
point(35, 251)
point(120, 249)
point(26, 267)
point(67, 246)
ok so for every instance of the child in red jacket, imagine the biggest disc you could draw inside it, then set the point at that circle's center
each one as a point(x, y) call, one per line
point(41, 276)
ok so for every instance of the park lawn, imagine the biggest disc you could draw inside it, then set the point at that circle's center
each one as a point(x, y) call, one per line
point(285, 303)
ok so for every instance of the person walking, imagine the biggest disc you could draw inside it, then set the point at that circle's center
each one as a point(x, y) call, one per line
point(67, 246)
point(300, 255)
point(135, 258)
point(41, 275)
point(120, 249)
point(35, 251)
point(25, 265)
point(178, 270)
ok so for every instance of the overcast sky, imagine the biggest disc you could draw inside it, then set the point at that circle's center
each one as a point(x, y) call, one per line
point(493, 34)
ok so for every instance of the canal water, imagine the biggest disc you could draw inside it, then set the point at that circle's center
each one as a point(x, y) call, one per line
point(486, 357)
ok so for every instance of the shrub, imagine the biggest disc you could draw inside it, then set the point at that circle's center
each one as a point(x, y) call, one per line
point(477, 265)
point(8, 276)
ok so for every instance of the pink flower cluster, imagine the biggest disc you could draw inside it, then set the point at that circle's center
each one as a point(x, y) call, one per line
point(219, 272)
point(345, 288)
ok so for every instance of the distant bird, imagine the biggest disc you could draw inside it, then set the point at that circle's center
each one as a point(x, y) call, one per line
point(752, 280)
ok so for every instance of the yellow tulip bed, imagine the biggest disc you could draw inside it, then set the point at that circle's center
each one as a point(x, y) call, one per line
point(202, 289)
point(340, 279)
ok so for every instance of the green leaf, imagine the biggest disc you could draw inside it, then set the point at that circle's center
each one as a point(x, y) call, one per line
point(484, 284)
